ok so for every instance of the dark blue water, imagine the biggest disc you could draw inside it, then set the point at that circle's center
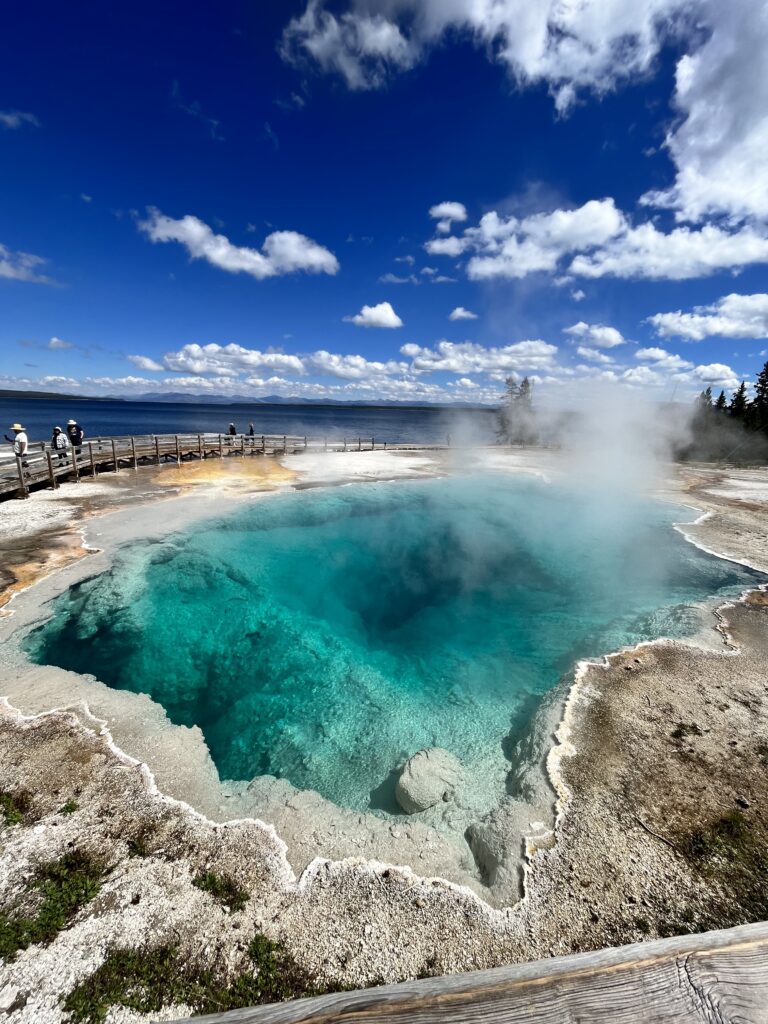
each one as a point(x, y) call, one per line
point(322, 636)
point(394, 425)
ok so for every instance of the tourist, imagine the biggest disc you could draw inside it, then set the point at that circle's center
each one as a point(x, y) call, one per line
point(59, 443)
point(75, 433)
point(20, 442)
point(232, 430)
point(251, 431)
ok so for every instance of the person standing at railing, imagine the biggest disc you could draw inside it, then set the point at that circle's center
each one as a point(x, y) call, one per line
point(59, 443)
point(20, 442)
point(75, 433)
point(232, 431)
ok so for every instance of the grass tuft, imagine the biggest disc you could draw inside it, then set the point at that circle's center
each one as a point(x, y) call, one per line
point(68, 808)
point(146, 980)
point(222, 888)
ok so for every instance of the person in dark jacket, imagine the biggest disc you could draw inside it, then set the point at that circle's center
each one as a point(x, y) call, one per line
point(232, 430)
point(250, 430)
point(59, 443)
point(75, 434)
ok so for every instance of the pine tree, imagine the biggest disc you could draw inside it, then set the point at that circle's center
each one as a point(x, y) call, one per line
point(721, 404)
point(738, 406)
point(759, 406)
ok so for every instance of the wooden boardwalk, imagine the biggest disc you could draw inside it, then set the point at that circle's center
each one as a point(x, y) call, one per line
point(714, 978)
point(43, 466)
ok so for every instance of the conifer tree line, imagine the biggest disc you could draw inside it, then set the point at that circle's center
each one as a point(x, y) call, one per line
point(732, 428)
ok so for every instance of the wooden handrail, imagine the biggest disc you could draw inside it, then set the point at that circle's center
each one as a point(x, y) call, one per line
point(690, 979)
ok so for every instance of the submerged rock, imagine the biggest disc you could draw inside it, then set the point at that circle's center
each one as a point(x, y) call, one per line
point(427, 778)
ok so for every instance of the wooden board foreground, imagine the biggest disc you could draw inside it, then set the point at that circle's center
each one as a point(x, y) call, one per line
point(717, 977)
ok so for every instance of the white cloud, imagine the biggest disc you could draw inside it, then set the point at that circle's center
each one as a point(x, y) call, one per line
point(380, 315)
point(719, 143)
point(16, 118)
point(22, 266)
point(462, 314)
point(232, 359)
point(593, 355)
point(86, 198)
point(390, 278)
point(352, 367)
point(646, 252)
point(446, 213)
point(59, 343)
point(283, 252)
point(569, 46)
point(733, 316)
point(446, 246)
point(596, 335)
point(716, 373)
point(662, 359)
point(578, 295)
point(467, 357)
point(145, 363)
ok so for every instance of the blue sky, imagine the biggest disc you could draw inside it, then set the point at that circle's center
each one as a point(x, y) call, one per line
point(297, 198)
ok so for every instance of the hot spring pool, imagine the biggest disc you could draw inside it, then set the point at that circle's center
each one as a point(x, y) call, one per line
point(322, 636)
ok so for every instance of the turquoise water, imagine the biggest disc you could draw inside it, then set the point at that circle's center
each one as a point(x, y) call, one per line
point(323, 635)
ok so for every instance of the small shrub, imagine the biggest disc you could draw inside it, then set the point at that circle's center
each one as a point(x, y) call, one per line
point(66, 886)
point(69, 807)
point(222, 888)
point(14, 807)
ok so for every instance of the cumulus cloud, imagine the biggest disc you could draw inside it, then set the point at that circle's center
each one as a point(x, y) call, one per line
point(467, 357)
point(352, 367)
point(462, 314)
point(12, 119)
point(716, 374)
point(596, 335)
point(380, 315)
point(283, 252)
point(232, 359)
point(446, 213)
point(662, 359)
point(593, 355)
point(22, 266)
point(145, 363)
point(732, 316)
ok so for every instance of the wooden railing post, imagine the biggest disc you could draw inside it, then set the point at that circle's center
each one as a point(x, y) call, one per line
point(359, 444)
point(157, 449)
point(285, 444)
point(263, 444)
point(93, 464)
point(221, 448)
point(51, 474)
point(373, 444)
point(200, 446)
point(133, 453)
point(242, 444)
point(114, 455)
point(23, 483)
point(75, 465)
point(178, 452)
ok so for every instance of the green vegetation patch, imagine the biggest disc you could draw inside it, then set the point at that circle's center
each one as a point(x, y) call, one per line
point(146, 980)
point(66, 886)
point(222, 888)
point(732, 849)
point(68, 808)
point(15, 807)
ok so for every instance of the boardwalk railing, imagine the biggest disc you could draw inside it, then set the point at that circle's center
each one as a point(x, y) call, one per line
point(714, 978)
point(46, 465)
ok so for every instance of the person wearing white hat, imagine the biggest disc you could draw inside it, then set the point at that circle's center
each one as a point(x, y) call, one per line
point(59, 443)
point(19, 441)
point(75, 433)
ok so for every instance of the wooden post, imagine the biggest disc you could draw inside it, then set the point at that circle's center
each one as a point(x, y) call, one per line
point(263, 444)
point(359, 444)
point(75, 465)
point(285, 444)
point(133, 453)
point(178, 452)
point(200, 447)
point(305, 442)
point(114, 455)
point(157, 449)
point(93, 464)
point(373, 444)
point(24, 489)
point(221, 448)
point(51, 474)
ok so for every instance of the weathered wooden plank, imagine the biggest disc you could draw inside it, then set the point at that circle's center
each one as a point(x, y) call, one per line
point(717, 978)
